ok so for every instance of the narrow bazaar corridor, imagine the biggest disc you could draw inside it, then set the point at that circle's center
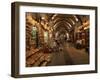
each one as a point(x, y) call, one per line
point(69, 56)
point(56, 39)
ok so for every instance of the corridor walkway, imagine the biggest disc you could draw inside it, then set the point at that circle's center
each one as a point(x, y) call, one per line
point(69, 56)
point(78, 56)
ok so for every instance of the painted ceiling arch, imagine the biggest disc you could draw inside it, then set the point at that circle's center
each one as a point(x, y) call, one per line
point(61, 24)
point(64, 19)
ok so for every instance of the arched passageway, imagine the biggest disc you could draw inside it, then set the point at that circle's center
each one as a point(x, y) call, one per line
point(56, 39)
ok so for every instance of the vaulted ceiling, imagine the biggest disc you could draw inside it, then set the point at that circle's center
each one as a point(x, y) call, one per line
point(61, 23)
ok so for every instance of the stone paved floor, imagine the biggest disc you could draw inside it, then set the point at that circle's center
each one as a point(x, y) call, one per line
point(69, 56)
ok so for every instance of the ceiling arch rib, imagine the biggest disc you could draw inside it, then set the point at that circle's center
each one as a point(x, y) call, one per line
point(74, 17)
point(79, 19)
point(61, 24)
point(69, 20)
point(59, 28)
